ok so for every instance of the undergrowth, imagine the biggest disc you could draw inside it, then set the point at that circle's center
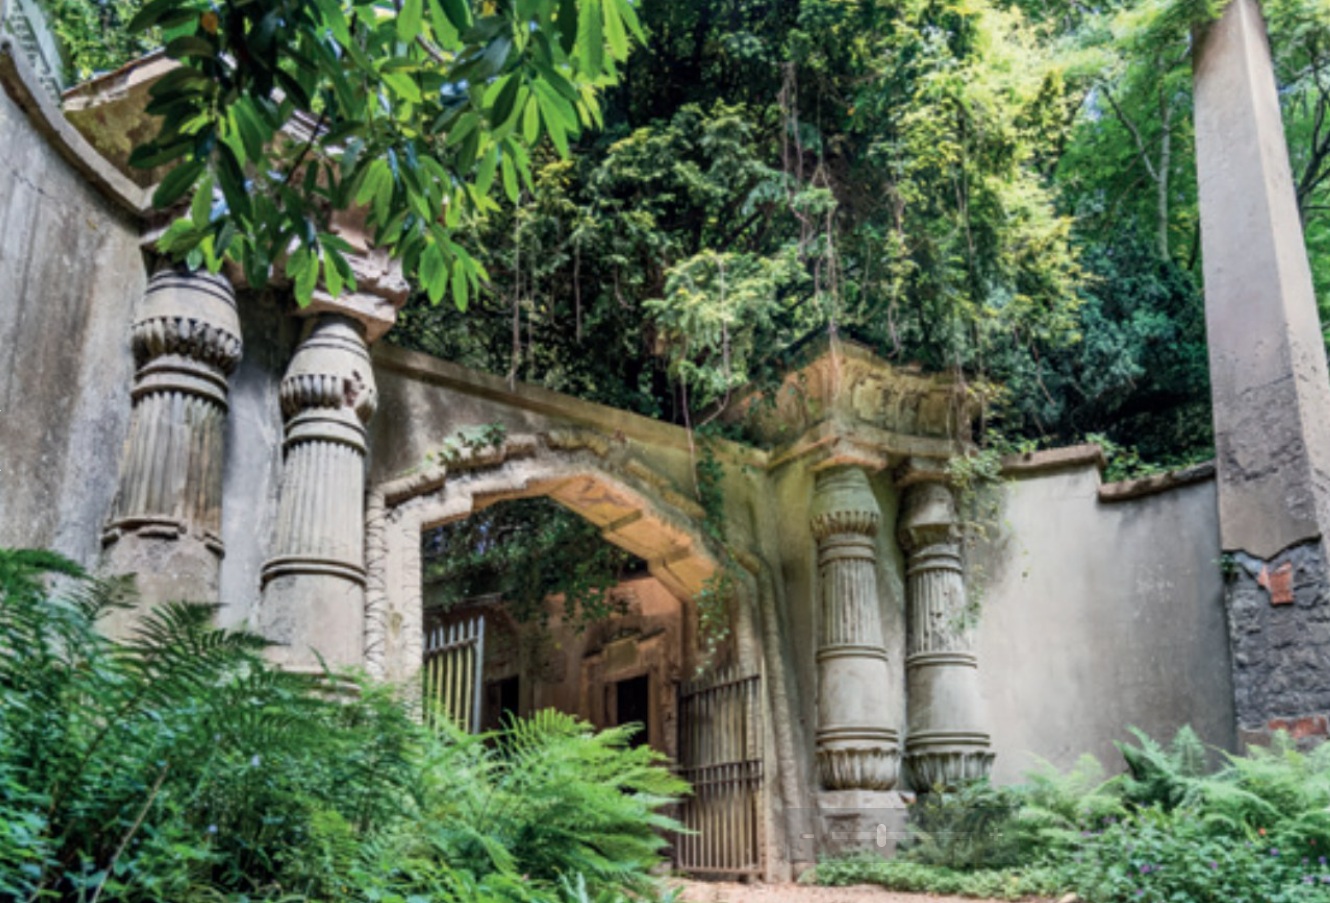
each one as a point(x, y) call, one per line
point(1168, 830)
point(178, 766)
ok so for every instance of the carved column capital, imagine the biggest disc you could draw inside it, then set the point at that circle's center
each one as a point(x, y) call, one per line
point(843, 502)
point(328, 391)
point(928, 515)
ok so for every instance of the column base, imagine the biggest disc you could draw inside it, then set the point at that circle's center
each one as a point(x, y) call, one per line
point(849, 822)
point(168, 566)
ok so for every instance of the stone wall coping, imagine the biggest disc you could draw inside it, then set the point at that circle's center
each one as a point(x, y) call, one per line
point(1054, 459)
point(1091, 454)
point(1124, 490)
point(21, 83)
point(525, 396)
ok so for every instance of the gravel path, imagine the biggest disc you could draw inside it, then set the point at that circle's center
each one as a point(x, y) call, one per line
point(720, 892)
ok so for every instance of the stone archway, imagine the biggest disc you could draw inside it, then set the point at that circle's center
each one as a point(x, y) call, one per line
point(632, 505)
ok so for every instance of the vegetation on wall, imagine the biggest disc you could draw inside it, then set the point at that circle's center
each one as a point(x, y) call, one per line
point(177, 765)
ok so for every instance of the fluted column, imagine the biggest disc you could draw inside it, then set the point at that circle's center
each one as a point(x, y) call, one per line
point(856, 747)
point(314, 584)
point(947, 742)
point(166, 520)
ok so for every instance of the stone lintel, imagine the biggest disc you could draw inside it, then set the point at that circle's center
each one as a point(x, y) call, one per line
point(1268, 373)
point(916, 470)
point(837, 443)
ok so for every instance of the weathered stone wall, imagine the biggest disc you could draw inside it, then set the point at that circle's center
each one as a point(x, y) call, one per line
point(70, 274)
point(1098, 615)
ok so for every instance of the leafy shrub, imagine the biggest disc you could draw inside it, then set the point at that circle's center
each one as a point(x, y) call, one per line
point(1255, 831)
point(178, 765)
point(901, 874)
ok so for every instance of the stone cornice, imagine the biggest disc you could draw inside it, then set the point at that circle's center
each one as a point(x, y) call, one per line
point(840, 381)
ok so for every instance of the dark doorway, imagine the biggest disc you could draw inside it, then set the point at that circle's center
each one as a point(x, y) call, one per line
point(502, 700)
point(633, 703)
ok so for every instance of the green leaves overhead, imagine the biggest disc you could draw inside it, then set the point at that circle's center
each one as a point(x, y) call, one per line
point(296, 111)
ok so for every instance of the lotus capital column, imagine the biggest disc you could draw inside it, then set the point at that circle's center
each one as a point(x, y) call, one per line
point(856, 748)
point(947, 742)
point(314, 584)
point(166, 521)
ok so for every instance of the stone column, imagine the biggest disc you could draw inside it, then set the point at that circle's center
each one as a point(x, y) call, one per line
point(856, 747)
point(166, 520)
point(946, 742)
point(1269, 384)
point(313, 601)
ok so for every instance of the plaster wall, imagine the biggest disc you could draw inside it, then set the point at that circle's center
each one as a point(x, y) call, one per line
point(70, 273)
point(1100, 615)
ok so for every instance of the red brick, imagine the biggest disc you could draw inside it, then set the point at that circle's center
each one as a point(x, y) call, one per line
point(1301, 728)
point(1278, 583)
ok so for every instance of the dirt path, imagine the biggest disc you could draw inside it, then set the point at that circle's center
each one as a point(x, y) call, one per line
point(720, 892)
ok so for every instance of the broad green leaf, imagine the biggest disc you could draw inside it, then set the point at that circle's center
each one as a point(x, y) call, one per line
point(459, 281)
point(485, 171)
point(177, 182)
point(402, 84)
point(200, 209)
point(433, 272)
point(408, 20)
point(510, 187)
point(590, 40)
point(614, 31)
point(458, 13)
point(531, 121)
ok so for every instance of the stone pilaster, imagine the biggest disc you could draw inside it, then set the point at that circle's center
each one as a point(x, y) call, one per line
point(314, 584)
point(946, 743)
point(1269, 385)
point(855, 746)
point(166, 520)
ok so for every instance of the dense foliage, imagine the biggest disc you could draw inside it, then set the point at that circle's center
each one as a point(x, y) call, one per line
point(283, 113)
point(179, 766)
point(1005, 187)
point(1256, 831)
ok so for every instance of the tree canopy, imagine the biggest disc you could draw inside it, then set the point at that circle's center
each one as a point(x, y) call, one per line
point(1004, 188)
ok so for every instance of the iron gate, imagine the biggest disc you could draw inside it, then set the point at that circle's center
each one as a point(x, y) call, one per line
point(454, 657)
point(720, 754)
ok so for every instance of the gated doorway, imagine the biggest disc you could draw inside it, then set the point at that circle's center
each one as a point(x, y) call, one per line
point(720, 754)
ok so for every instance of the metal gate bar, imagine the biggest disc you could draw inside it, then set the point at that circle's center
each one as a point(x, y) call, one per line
point(454, 657)
point(720, 754)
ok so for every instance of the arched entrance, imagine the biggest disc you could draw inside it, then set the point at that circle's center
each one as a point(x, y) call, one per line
point(623, 666)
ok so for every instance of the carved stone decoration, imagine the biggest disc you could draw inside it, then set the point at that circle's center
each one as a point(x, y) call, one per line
point(314, 583)
point(166, 520)
point(855, 746)
point(946, 744)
